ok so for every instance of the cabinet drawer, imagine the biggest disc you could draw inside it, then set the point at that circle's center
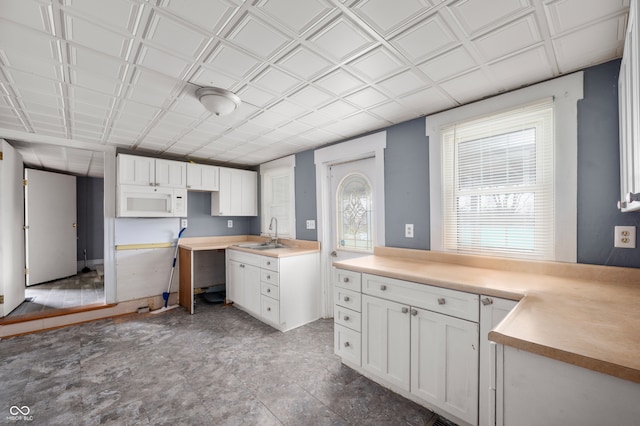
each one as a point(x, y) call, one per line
point(347, 279)
point(270, 277)
point(270, 290)
point(346, 343)
point(270, 263)
point(347, 318)
point(449, 302)
point(270, 309)
point(242, 257)
point(347, 298)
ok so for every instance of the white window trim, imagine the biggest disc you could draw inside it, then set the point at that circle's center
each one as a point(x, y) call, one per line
point(566, 92)
point(289, 163)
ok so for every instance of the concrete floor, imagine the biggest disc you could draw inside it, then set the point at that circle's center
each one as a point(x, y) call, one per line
point(219, 366)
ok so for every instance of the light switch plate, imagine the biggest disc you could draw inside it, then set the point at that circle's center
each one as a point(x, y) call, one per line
point(229, 223)
point(311, 224)
point(408, 230)
point(625, 237)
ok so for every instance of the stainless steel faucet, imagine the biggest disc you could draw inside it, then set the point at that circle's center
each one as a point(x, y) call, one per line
point(274, 240)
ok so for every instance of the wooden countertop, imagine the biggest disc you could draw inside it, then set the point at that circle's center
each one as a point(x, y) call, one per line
point(293, 247)
point(585, 315)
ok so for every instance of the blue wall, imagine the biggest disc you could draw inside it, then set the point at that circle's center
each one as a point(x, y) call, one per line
point(90, 217)
point(202, 224)
point(305, 195)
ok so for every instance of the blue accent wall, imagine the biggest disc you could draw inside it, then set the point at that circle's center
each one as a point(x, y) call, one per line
point(202, 224)
point(90, 217)
point(305, 182)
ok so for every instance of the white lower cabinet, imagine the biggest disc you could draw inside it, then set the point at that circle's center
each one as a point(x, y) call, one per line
point(282, 292)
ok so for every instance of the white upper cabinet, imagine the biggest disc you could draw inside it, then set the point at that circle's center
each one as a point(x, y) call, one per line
point(237, 194)
point(629, 110)
point(145, 171)
point(202, 177)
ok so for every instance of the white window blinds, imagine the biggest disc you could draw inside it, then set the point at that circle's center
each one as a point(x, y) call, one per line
point(498, 183)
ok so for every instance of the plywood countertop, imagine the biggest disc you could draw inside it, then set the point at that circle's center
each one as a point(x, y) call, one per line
point(584, 315)
point(293, 247)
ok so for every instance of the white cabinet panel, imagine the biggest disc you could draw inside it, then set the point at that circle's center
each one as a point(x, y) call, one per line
point(237, 194)
point(202, 177)
point(135, 170)
point(386, 340)
point(171, 174)
point(347, 344)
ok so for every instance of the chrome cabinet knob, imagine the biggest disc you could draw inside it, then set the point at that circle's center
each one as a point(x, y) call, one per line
point(414, 312)
point(346, 317)
point(268, 309)
point(405, 310)
point(441, 301)
point(383, 287)
point(268, 290)
point(487, 301)
point(346, 279)
point(268, 263)
point(346, 298)
point(268, 277)
point(347, 344)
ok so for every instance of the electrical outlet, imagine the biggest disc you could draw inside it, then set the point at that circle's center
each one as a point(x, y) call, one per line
point(625, 237)
point(408, 230)
point(311, 224)
point(230, 223)
point(183, 223)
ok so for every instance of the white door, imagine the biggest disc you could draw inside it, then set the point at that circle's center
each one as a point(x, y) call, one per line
point(11, 233)
point(51, 240)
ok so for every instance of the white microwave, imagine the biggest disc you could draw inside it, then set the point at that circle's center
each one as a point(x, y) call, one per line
point(151, 201)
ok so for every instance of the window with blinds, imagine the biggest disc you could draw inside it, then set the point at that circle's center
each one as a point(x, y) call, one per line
point(498, 183)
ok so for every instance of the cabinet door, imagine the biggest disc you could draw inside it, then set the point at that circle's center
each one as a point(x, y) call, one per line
point(234, 282)
point(386, 340)
point(202, 177)
point(492, 311)
point(249, 193)
point(444, 362)
point(171, 174)
point(134, 170)
point(252, 290)
point(221, 200)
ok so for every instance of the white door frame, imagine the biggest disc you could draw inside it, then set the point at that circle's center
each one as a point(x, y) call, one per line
point(366, 146)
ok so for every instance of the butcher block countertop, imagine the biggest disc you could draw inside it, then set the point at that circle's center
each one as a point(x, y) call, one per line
point(292, 247)
point(585, 315)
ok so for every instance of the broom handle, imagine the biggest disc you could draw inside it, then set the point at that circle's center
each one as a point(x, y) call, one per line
point(175, 256)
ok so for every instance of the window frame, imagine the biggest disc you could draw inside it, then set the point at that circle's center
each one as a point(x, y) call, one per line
point(370, 219)
point(281, 166)
point(566, 91)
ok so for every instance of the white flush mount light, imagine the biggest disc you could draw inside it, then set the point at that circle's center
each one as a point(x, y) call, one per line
point(218, 101)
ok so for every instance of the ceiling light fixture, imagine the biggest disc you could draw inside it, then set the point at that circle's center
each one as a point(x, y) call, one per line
point(218, 101)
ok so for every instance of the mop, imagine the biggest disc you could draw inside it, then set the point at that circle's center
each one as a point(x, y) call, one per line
point(165, 295)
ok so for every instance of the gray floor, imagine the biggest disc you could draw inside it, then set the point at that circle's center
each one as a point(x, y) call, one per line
point(77, 290)
point(217, 367)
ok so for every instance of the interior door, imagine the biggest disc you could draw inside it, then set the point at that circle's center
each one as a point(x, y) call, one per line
point(11, 223)
point(50, 211)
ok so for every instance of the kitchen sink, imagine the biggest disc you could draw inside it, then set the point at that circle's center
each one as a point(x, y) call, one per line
point(261, 246)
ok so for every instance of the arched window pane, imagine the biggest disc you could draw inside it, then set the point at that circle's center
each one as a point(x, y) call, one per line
point(354, 201)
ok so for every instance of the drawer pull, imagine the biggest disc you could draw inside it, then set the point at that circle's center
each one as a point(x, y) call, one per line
point(268, 309)
point(268, 277)
point(346, 279)
point(346, 317)
point(383, 287)
point(347, 344)
point(346, 298)
point(487, 301)
point(242, 265)
point(268, 290)
point(414, 312)
point(441, 301)
point(268, 263)
point(405, 310)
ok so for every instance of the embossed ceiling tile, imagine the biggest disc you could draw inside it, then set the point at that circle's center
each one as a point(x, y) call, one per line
point(177, 120)
point(175, 37)
point(95, 37)
point(296, 15)
point(189, 105)
point(341, 39)
point(211, 127)
point(274, 80)
point(254, 128)
point(26, 12)
point(258, 37)
point(604, 41)
point(564, 15)
point(96, 82)
point(269, 119)
point(207, 77)
point(474, 15)
point(366, 98)
point(155, 81)
point(393, 112)
point(196, 137)
point(162, 62)
point(295, 128)
point(508, 39)
point(33, 83)
point(403, 83)
point(78, 109)
point(338, 109)
point(448, 64)
point(95, 62)
point(114, 13)
point(320, 136)
point(32, 43)
point(386, 16)
point(340, 82)
point(533, 65)
point(232, 61)
point(425, 39)
point(350, 125)
point(244, 111)
point(310, 97)
point(427, 101)
point(43, 68)
point(376, 64)
point(315, 119)
point(469, 87)
point(288, 109)
point(210, 14)
point(36, 108)
point(90, 97)
point(132, 109)
point(254, 96)
point(304, 63)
